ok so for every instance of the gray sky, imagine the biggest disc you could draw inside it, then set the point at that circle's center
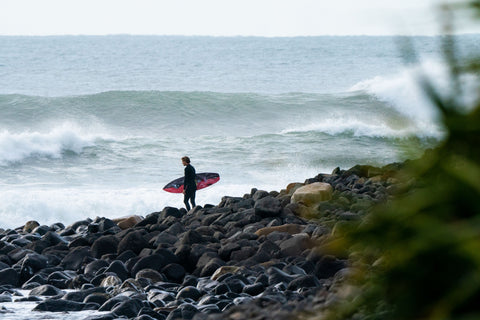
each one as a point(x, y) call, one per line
point(220, 17)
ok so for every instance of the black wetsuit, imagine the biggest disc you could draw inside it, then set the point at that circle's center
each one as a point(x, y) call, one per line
point(190, 186)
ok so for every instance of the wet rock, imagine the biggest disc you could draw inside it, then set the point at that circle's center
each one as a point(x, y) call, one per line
point(52, 238)
point(35, 261)
point(128, 308)
point(254, 289)
point(191, 237)
point(295, 245)
point(75, 258)
point(128, 222)
point(154, 262)
point(189, 293)
point(104, 245)
point(303, 282)
point(118, 267)
point(93, 267)
point(110, 281)
point(46, 290)
point(170, 212)
point(126, 255)
point(41, 230)
point(286, 228)
point(61, 279)
point(150, 274)
point(174, 272)
point(268, 207)
point(107, 316)
point(187, 310)
point(327, 266)
point(112, 302)
point(9, 276)
point(133, 241)
point(227, 249)
point(58, 305)
point(30, 226)
point(97, 297)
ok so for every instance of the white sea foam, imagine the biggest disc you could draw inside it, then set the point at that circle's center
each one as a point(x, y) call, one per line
point(15, 147)
point(369, 128)
point(403, 91)
point(49, 204)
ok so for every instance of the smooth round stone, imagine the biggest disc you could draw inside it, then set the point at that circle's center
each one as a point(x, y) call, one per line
point(242, 300)
point(221, 289)
point(209, 308)
point(254, 289)
point(189, 292)
point(45, 290)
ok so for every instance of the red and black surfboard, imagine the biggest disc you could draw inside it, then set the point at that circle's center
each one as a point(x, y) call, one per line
point(203, 180)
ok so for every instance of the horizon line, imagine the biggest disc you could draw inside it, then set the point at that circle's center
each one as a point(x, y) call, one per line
point(239, 36)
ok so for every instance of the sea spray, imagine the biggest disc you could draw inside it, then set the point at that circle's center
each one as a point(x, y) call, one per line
point(67, 137)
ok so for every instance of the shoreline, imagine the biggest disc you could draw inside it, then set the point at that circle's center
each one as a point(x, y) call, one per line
point(256, 255)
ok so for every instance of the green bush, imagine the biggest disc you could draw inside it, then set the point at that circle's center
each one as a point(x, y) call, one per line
point(418, 257)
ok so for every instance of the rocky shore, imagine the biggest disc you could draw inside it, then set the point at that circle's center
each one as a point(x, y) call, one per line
point(250, 257)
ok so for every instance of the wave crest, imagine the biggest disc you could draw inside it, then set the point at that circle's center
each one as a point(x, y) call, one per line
point(67, 137)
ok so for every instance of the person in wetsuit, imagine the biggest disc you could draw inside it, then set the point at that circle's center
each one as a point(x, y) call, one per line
point(189, 184)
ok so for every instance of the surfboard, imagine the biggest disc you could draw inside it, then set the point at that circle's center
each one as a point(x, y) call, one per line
point(203, 180)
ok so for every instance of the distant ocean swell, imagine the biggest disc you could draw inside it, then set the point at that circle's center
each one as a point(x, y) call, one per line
point(51, 127)
point(163, 110)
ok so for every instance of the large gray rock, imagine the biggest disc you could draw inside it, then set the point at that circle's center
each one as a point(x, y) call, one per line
point(104, 245)
point(268, 207)
point(9, 276)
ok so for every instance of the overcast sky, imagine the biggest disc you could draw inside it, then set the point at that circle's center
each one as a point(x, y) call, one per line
point(220, 17)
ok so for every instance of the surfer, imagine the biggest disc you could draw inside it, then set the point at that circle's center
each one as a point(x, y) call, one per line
point(189, 184)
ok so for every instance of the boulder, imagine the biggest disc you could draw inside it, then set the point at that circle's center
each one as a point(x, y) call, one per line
point(96, 297)
point(111, 281)
point(9, 276)
point(104, 245)
point(128, 308)
point(169, 212)
point(287, 228)
point(306, 281)
point(155, 262)
point(295, 245)
point(35, 261)
point(30, 226)
point(174, 272)
point(45, 290)
point(224, 270)
point(152, 275)
point(133, 241)
point(189, 292)
point(268, 207)
point(312, 194)
point(52, 238)
point(119, 268)
point(292, 187)
point(305, 200)
point(94, 266)
point(127, 222)
point(64, 306)
point(75, 258)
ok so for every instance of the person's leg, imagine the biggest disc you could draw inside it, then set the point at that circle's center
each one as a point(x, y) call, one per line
point(192, 199)
point(185, 200)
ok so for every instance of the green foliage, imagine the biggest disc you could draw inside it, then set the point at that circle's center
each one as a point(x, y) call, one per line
point(418, 257)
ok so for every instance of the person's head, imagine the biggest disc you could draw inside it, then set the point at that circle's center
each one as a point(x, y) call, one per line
point(185, 160)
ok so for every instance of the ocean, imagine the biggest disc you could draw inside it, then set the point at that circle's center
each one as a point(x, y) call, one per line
point(96, 125)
